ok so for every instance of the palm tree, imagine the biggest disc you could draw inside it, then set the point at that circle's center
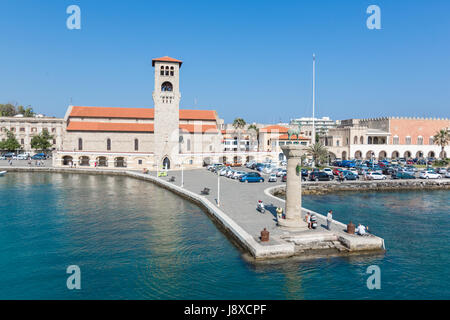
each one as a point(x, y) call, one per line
point(318, 152)
point(239, 124)
point(442, 139)
point(253, 128)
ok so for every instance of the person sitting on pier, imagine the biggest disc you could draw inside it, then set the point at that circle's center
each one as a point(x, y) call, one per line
point(279, 213)
point(361, 230)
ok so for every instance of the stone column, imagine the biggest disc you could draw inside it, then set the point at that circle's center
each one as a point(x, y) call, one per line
point(293, 210)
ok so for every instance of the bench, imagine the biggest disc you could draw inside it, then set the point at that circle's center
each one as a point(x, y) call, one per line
point(172, 179)
point(205, 191)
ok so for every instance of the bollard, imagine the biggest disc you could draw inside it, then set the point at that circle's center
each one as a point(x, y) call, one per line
point(264, 235)
point(351, 228)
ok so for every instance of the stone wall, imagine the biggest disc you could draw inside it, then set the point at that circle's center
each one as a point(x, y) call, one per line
point(309, 188)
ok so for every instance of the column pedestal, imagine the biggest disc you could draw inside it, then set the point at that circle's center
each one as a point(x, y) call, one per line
point(293, 210)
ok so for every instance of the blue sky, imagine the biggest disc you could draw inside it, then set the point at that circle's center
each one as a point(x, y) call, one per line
point(251, 59)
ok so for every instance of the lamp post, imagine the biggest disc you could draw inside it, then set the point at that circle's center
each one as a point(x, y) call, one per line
point(218, 189)
point(182, 174)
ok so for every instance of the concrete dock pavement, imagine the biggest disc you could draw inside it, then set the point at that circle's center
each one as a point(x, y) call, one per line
point(238, 201)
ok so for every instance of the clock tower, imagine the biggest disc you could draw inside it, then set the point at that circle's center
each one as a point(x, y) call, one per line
point(166, 98)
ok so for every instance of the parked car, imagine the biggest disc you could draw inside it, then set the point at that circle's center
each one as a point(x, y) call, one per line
point(403, 175)
point(447, 175)
point(251, 177)
point(337, 171)
point(441, 170)
point(281, 173)
point(284, 179)
point(320, 176)
point(238, 174)
point(329, 171)
point(376, 176)
point(39, 156)
point(22, 156)
point(9, 155)
point(429, 174)
point(273, 177)
point(349, 175)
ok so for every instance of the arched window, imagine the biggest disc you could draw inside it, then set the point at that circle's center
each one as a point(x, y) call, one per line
point(108, 144)
point(420, 140)
point(162, 71)
point(408, 140)
point(136, 145)
point(172, 71)
point(167, 71)
point(361, 140)
point(355, 140)
point(188, 144)
point(80, 144)
point(167, 87)
point(431, 142)
point(395, 140)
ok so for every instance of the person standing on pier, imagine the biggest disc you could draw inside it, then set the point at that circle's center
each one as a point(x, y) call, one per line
point(329, 219)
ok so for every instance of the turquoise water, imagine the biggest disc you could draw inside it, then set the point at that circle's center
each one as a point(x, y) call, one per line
point(133, 240)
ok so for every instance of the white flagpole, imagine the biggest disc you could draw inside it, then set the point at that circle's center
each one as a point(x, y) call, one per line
point(313, 140)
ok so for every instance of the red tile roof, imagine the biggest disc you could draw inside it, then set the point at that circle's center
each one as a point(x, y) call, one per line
point(110, 127)
point(293, 137)
point(274, 129)
point(191, 128)
point(137, 113)
point(166, 59)
point(102, 112)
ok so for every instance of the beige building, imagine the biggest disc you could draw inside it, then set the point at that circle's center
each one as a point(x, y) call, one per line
point(25, 128)
point(154, 138)
point(388, 137)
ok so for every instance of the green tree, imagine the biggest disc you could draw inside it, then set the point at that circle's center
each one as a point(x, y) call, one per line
point(11, 143)
point(7, 110)
point(318, 152)
point(42, 141)
point(442, 139)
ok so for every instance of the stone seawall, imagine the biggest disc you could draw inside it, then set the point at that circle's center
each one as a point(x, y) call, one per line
point(309, 188)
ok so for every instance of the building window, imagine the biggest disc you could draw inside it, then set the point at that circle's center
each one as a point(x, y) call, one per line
point(22, 129)
point(408, 140)
point(54, 141)
point(420, 140)
point(33, 130)
point(355, 140)
point(395, 140)
point(136, 145)
point(167, 71)
point(139, 162)
point(337, 143)
point(80, 144)
point(13, 129)
point(166, 87)
point(53, 129)
point(22, 141)
point(162, 70)
point(431, 141)
point(361, 140)
point(108, 144)
point(188, 145)
point(172, 71)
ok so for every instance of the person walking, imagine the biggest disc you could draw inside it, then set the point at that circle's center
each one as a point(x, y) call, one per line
point(308, 220)
point(329, 219)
